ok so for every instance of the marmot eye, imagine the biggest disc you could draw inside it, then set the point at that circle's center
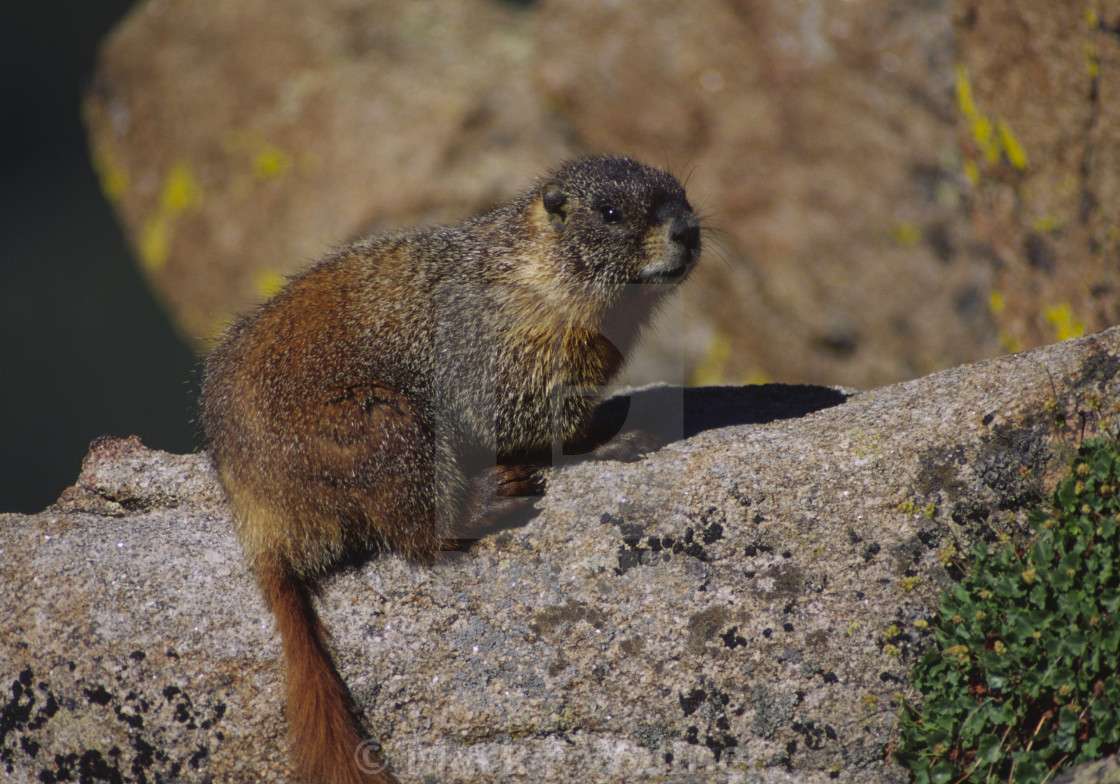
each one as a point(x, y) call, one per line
point(610, 214)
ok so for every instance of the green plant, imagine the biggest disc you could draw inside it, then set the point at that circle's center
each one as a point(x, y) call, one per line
point(1023, 674)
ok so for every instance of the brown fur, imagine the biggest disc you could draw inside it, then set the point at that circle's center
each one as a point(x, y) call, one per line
point(403, 391)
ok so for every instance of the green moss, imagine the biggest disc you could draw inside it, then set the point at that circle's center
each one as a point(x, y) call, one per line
point(1021, 678)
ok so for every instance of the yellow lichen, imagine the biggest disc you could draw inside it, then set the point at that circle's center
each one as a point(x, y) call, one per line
point(113, 177)
point(712, 365)
point(971, 172)
point(947, 554)
point(267, 282)
point(1061, 318)
point(1012, 147)
point(181, 191)
point(154, 244)
point(258, 160)
point(965, 102)
point(985, 138)
point(755, 377)
point(1011, 343)
point(996, 303)
point(271, 162)
point(864, 444)
point(1047, 224)
point(906, 234)
point(1092, 60)
point(994, 138)
point(979, 124)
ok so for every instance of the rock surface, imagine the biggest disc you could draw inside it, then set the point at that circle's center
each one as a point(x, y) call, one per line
point(1038, 91)
point(240, 139)
point(1105, 771)
point(741, 606)
point(892, 189)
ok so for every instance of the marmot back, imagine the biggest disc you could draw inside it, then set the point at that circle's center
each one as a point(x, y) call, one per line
point(404, 390)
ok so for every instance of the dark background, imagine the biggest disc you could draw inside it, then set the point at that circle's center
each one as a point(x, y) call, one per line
point(85, 350)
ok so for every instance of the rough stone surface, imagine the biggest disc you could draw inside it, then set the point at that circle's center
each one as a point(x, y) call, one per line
point(740, 606)
point(1106, 771)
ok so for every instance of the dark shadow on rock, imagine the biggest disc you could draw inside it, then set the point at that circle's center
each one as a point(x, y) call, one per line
point(707, 408)
point(675, 413)
point(671, 414)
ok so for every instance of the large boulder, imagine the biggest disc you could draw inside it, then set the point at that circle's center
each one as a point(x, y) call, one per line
point(744, 604)
point(859, 233)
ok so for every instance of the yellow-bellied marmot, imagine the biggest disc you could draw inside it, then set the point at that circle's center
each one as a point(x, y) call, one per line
point(403, 390)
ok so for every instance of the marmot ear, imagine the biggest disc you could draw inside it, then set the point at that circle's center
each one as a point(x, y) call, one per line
point(555, 201)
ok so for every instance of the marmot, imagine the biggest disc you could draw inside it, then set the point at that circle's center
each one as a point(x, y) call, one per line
point(403, 390)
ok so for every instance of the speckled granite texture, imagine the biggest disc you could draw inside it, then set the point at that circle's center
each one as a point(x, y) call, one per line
point(741, 605)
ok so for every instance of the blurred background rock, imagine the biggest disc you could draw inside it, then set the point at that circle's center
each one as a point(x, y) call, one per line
point(892, 188)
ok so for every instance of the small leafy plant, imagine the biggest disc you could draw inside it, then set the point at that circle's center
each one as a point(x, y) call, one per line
point(1023, 676)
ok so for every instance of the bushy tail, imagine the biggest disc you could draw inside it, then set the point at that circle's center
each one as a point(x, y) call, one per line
point(329, 745)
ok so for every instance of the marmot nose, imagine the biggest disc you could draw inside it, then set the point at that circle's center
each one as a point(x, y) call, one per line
point(685, 230)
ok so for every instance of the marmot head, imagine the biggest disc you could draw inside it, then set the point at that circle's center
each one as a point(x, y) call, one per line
point(616, 223)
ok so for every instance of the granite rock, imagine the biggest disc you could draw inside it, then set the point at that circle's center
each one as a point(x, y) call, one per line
point(744, 604)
